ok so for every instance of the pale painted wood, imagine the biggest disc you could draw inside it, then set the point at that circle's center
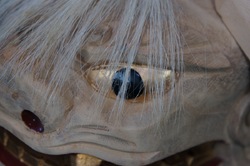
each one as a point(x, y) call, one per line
point(235, 15)
point(215, 80)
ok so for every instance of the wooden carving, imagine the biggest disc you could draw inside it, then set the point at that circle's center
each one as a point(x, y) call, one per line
point(130, 82)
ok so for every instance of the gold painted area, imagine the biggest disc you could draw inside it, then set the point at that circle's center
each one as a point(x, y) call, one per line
point(82, 159)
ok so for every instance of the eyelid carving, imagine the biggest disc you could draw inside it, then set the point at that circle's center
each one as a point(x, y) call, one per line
point(100, 78)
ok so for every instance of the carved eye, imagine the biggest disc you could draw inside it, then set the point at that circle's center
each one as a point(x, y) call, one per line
point(142, 82)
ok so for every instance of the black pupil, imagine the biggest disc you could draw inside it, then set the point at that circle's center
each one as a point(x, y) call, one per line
point(134, 85)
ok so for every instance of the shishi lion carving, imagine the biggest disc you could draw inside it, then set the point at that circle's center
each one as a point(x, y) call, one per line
point(130, 81)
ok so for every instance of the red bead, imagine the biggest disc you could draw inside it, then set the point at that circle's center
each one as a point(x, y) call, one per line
point(32, 121)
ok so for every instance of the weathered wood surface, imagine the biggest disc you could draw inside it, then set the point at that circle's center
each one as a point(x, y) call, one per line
point(215, 81)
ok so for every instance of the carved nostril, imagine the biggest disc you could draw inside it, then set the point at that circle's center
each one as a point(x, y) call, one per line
point(32, 121)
